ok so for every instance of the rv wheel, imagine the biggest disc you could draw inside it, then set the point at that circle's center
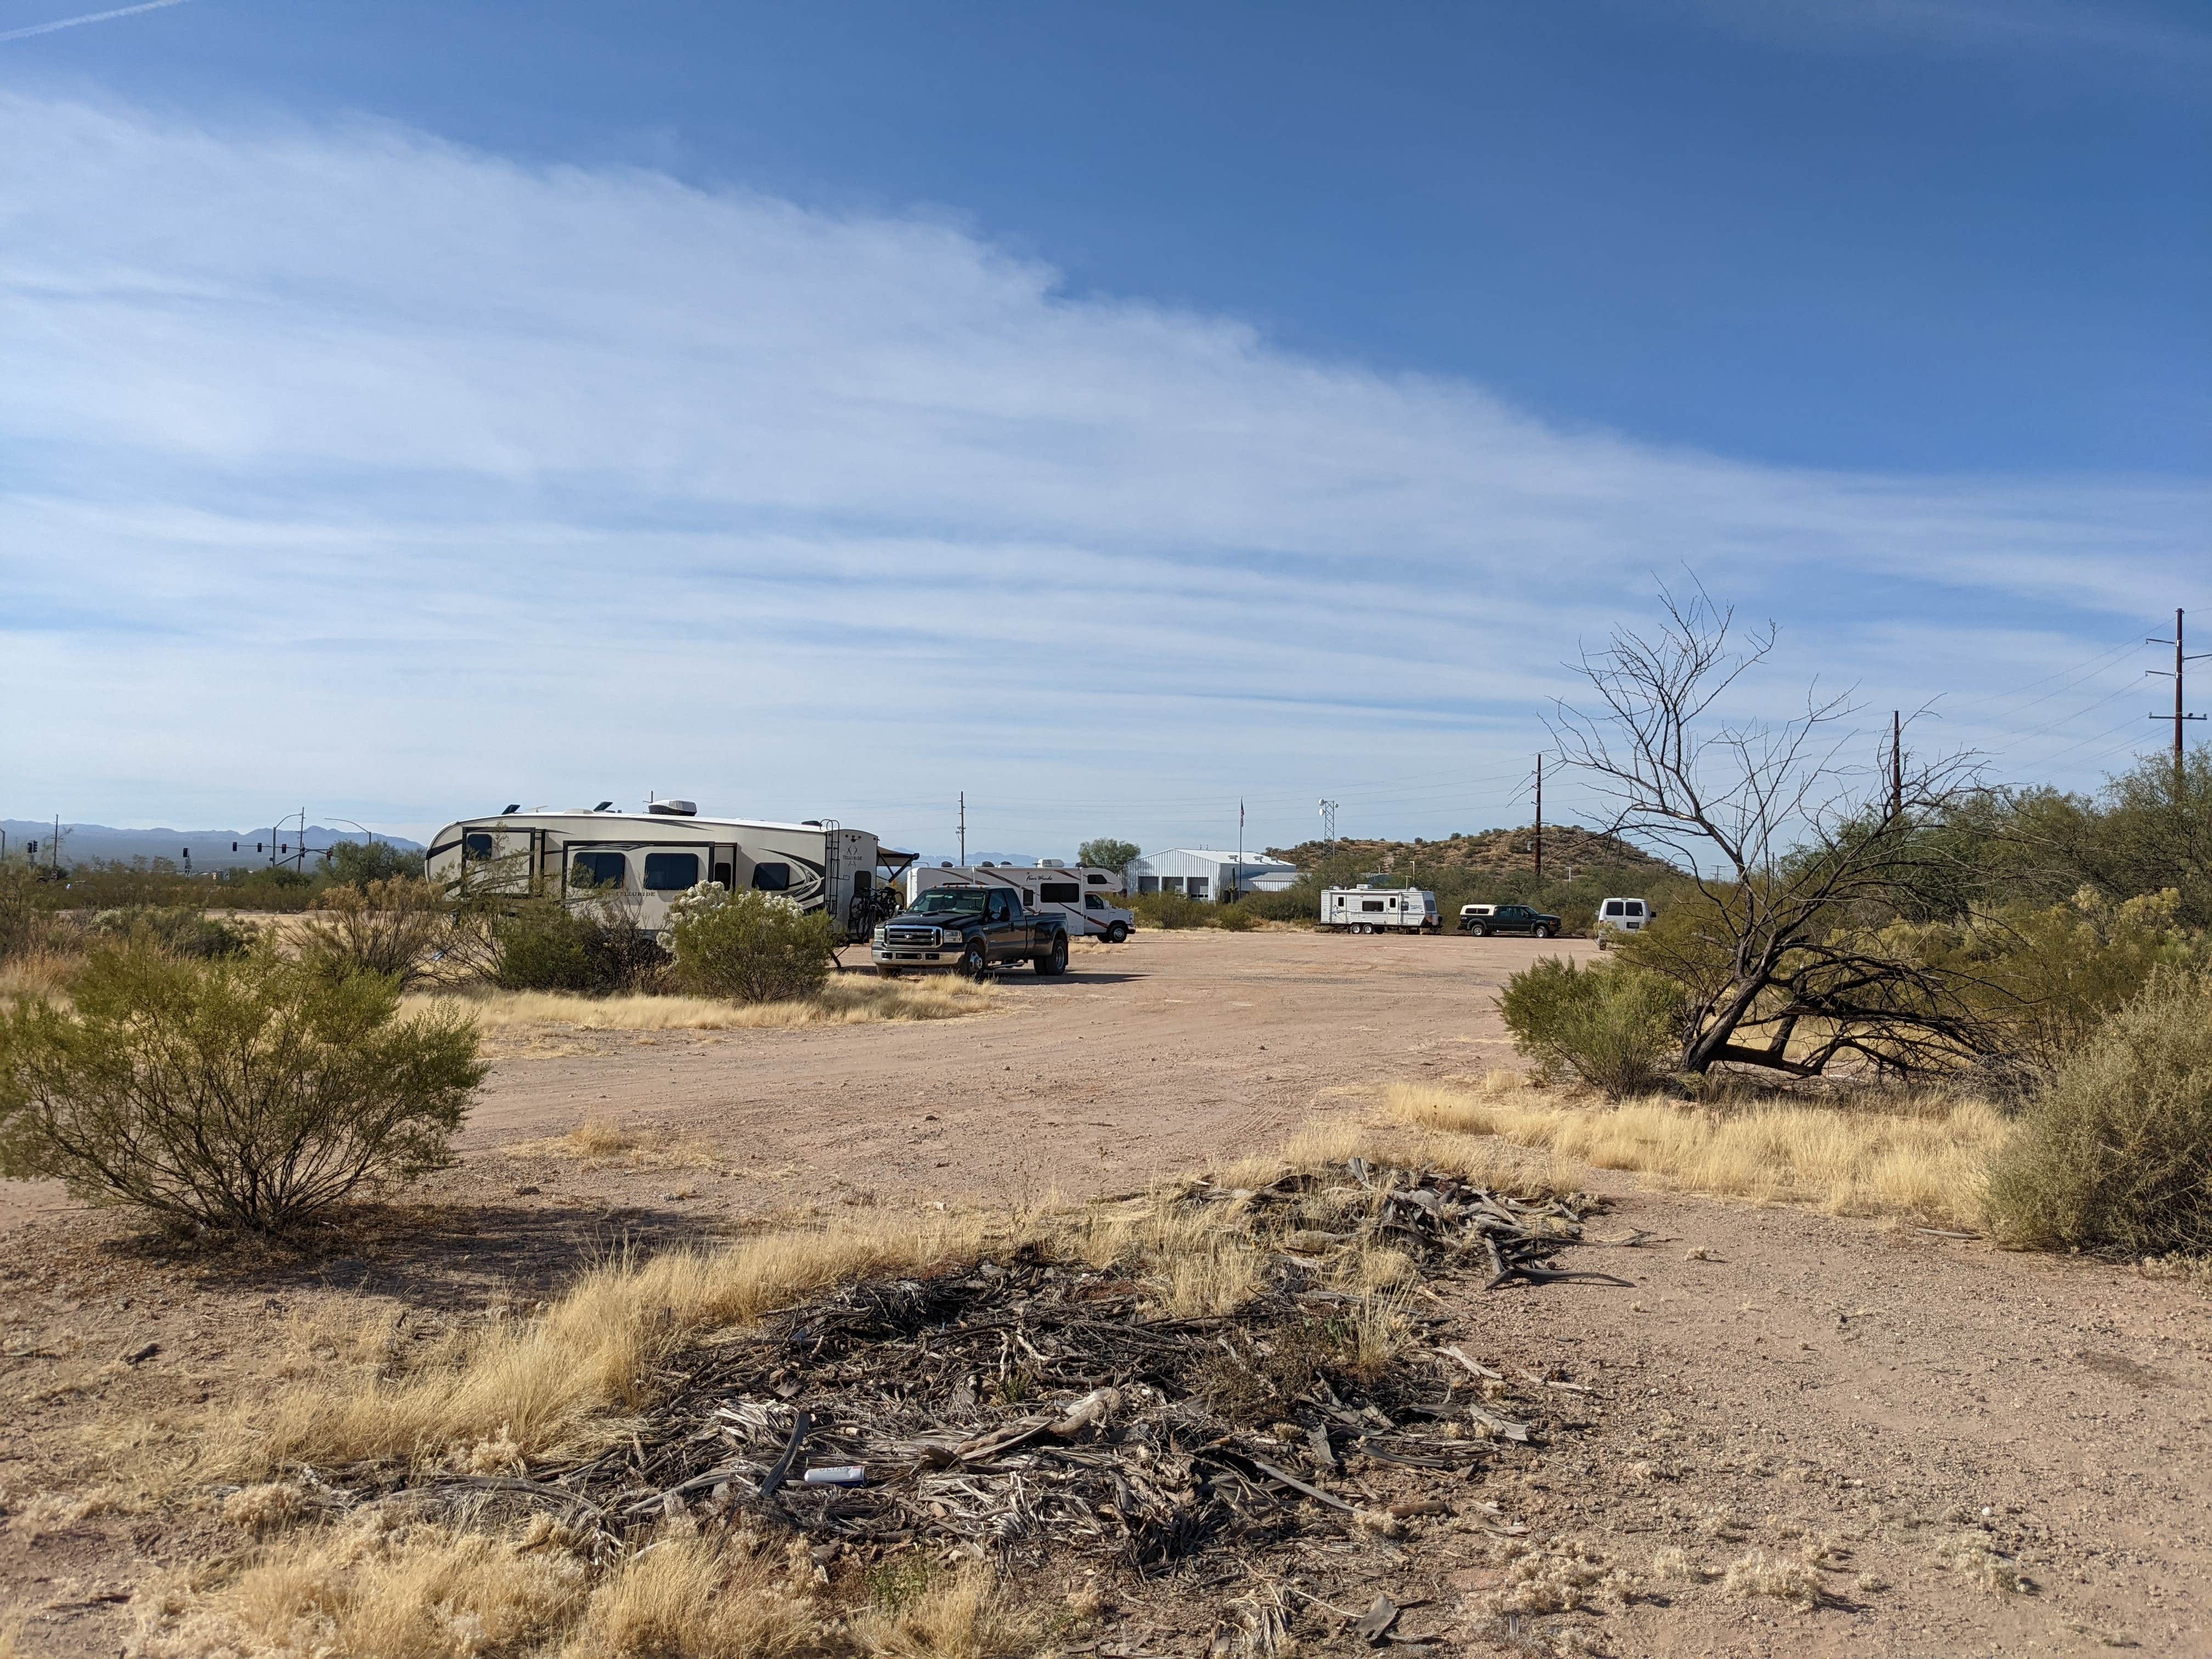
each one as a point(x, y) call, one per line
point(1118, 934)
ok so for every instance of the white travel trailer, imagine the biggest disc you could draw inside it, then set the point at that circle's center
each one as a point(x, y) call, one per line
point(1365, 910)
point(636, 864)
point(1088, 896)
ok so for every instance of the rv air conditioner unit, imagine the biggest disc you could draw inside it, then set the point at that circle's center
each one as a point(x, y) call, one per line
point(674, 809)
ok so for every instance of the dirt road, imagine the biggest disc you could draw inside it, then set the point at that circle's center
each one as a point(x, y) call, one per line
point(1162, 1056)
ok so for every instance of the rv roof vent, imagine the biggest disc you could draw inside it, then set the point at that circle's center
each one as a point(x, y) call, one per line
point(945, 864)
point(812, 823)
point(674, 809)
point(603, 806)
point(1050, 864)
point(985, 865)
point(513, 806)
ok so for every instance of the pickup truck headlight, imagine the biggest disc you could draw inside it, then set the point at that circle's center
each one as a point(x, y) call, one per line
point(882, 934)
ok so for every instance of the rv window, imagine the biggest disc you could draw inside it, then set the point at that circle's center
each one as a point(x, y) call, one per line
point(1096, 902)
point(772, 877)
point(1615, 908)
point(597, 869)
point(671, 873)
point(1097, 880)
point(475, 847)
point(1059, 893)
point(1370, 904)
point(722, 874)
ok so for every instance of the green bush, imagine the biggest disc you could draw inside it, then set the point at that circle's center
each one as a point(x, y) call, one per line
point(359, 864)
point(180, 929)
point(2116, 1151)
point(749, 946)
point(1170, 910)
point(545, 945)
point(1612, 1024)
point(249, 1093)
point(1235, 918)
point(391, 928)
point(1301, 902)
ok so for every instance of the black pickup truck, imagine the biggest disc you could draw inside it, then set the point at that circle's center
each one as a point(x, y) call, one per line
point(973, 929)
point(1512, 918)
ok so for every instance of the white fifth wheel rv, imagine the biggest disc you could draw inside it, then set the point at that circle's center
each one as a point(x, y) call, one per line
point(1087, 896)
point(637, 864)
point(1366, 909)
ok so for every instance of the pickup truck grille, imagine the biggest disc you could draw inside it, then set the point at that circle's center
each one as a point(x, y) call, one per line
point(924, 937)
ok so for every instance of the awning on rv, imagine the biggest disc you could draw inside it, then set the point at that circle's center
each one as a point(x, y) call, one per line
point(895, 861)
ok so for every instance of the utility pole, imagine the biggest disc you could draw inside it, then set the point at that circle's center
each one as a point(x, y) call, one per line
point(2180, 661)
point(963, 829)
point(1236, 877)
point(1896, 763)
point(1539, 817)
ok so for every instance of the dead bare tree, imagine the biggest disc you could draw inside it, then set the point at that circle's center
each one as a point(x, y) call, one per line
point(1791, 841)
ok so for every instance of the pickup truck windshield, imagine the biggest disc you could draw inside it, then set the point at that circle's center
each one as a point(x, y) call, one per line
point(943, 902)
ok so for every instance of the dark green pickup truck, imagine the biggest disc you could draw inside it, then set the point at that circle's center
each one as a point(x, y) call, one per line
point(973, 929)
point(1512, 918)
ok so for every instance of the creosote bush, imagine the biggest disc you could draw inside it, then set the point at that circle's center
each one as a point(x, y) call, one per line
point(247, 1094)
point(1612, 1024)
point(2116, 1151)
point(179, 929)
point(748, 946)
point(542, 943)
point(390, 927)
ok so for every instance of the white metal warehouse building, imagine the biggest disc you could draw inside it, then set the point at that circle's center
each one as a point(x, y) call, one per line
point(1203, 873)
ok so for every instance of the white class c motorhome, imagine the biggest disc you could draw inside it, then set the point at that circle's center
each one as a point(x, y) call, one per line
point(1084, 895)
point(636, 864)
point(1379, 910)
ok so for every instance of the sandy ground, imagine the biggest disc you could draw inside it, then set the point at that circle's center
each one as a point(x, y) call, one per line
point(1894, 1397)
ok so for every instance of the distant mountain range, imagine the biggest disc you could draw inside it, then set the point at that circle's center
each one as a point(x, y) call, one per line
point(203, 849)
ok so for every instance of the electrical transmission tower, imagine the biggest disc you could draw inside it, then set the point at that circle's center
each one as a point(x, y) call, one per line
point(2179, 717)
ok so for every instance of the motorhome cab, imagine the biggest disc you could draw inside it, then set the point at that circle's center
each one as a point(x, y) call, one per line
point(1366, 909)
point(636, 864)
point(1622, 915)
point(1085, 897)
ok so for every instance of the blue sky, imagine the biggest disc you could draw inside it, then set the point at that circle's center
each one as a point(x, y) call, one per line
point(1110, 410)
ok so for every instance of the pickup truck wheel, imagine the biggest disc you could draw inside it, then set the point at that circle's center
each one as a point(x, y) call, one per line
point(974, 962)
point(1540, 932)
point(1478, 931)
point(1118, 934)
point(1053, 961)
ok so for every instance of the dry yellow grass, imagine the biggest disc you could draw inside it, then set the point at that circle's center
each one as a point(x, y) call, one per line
point(846, 999)
point(1930, 1159)
point(37, 973)
point(540, 1383)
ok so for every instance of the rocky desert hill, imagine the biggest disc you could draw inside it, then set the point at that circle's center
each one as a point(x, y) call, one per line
point(1490, 853)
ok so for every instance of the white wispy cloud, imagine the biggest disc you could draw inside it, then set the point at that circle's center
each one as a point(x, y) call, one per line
point(345, 464)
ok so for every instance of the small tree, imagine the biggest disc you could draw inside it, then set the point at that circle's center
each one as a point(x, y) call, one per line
point(1789, 837)
point(1613, 1025)
point(1105, 853)
point(391, 928)
point(249, 1094)
point(359, 863)
point(749, 946)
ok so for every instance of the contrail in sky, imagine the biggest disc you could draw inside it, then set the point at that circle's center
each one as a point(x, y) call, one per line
point(89, 17)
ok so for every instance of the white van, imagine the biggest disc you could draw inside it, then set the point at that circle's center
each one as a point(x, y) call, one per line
point(1364, 910)
point(1622, 915)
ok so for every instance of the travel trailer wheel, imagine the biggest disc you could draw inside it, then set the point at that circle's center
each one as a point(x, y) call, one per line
point(1118, 934)
point(974, 962)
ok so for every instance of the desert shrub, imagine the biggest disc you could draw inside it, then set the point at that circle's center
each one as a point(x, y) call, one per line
point(1612, 1024)
point(1170, 910)
point(249, 1093)
point(26, 924)
point(545, 944)
point(1301, 902)
point(360, 864)
point(1236, 918)
point(391, 928)
point(2116, 1151)
point(182, 930)
point(748, 946)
